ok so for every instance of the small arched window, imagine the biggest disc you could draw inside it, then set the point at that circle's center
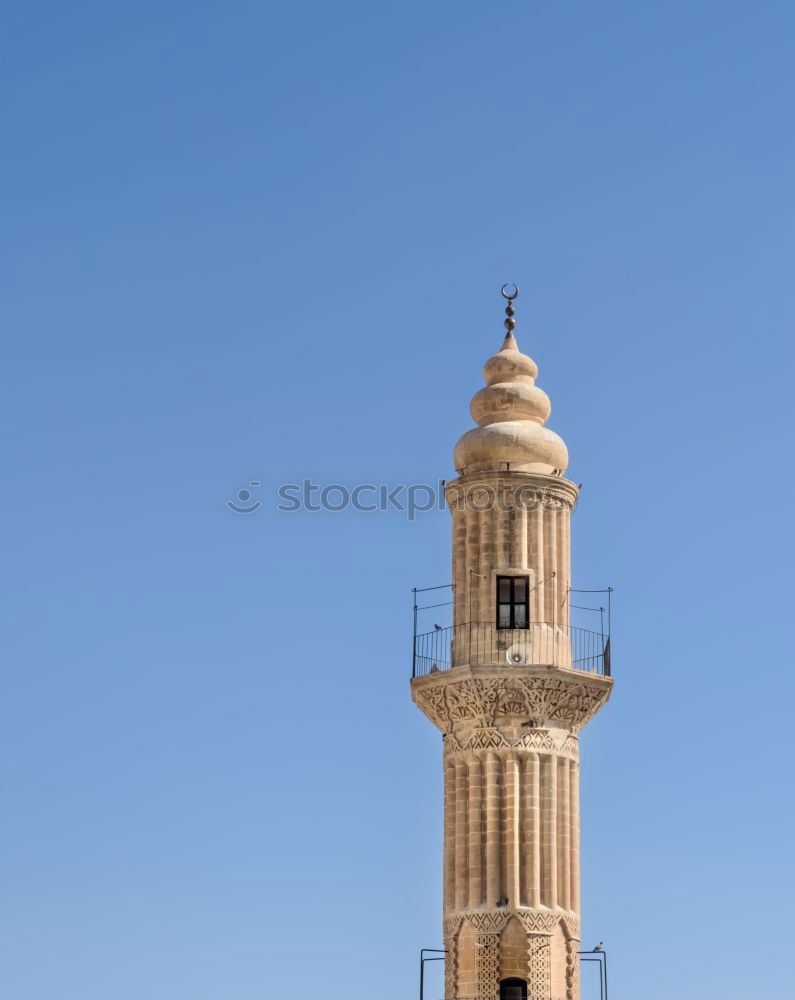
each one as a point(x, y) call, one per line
point(513, 989)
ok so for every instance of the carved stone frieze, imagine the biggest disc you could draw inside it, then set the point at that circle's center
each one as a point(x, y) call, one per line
point(452, 925)
point(494, 921)
point(487, 921)
point(539, 962)
point(494, 739)
point(488, 965)
point(538, 923)
point(572, 927)
point(485, 696)
point(489, 927)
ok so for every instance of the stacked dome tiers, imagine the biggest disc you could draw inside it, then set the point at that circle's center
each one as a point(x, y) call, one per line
point(510, 413)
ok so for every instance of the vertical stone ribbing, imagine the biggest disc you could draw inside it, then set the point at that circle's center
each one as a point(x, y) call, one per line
point(575, 836)
point(549, 834)
point(475, 834)
point(493, 878)
point(566, 566)
point(461, 844)
point(485, 562)
point(473, 552)
point(532, 833)
point(449, 837)
point(511, 830)
point(507, 534)
point(499, 533)
point(564, 838)
point(540, 563)
point(460, 596)
point(550, 544)
point(520, 537)
point(563, 599)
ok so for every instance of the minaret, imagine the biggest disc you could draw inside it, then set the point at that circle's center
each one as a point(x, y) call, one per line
point(510, 686)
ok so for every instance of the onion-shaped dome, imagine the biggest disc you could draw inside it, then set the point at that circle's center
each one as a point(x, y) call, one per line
point(510, 413)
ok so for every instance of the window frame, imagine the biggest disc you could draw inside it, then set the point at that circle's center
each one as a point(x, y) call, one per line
point(512, 602)
point(513, 983)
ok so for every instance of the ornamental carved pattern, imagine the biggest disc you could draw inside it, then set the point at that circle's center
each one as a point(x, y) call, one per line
point(449, 700)
point(512, 701)
point(571, 745)
point(538, 923)
point(494, 739)
point(539, 980)
point(488, 965)
point(474, 699)
point(432, 700)
point(487, 922)
point(504, 495)
point(572, 970)
point(494, 921)
point(451, 928)
point(563, 700)
point(540, 928)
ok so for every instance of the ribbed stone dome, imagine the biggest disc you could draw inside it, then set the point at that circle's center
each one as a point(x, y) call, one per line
point(510, 413)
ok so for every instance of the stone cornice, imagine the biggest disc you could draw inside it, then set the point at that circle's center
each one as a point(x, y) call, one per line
point(531, 488)
point(487, 696)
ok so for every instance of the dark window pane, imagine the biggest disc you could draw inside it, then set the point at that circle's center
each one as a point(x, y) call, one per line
point(504, 588)
point(520, 593)
point(513, 989)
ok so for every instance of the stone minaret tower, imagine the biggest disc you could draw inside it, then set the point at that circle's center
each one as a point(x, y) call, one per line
point(510, 686)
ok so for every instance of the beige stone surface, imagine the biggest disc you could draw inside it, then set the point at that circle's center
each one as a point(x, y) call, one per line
point(510, 730)
point(510, 413)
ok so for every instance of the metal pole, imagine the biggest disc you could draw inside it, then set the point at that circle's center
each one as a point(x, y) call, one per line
point(596, 956)
point(601, 987)
point(414, 641)
point(609, 603)
point(423, 960)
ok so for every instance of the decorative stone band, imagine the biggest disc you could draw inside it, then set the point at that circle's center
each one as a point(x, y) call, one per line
point(510, 490)
point(487, 934)
point(494, 921)
point(493, 739)
point(488, 696)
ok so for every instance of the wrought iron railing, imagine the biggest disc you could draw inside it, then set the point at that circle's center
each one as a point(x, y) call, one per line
point(483, 644)
point(531, 995)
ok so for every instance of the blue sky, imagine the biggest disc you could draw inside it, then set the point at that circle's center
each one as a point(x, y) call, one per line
point(255, 242)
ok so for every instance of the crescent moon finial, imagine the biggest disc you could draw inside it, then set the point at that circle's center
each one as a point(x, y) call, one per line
point(510, 322)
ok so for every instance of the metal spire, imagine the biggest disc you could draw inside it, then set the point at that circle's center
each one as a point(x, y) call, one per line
point(510, 322)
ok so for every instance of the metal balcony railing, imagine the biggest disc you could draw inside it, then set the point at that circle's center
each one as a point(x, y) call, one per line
point(481, 644)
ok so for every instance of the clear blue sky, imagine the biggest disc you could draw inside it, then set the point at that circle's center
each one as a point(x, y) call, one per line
point(250, 241)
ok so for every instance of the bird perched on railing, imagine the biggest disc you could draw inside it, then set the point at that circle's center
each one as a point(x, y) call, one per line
point(600, 946)
point(438, 628)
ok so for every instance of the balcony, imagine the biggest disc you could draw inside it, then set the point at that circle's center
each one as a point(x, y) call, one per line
point(482, 644)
